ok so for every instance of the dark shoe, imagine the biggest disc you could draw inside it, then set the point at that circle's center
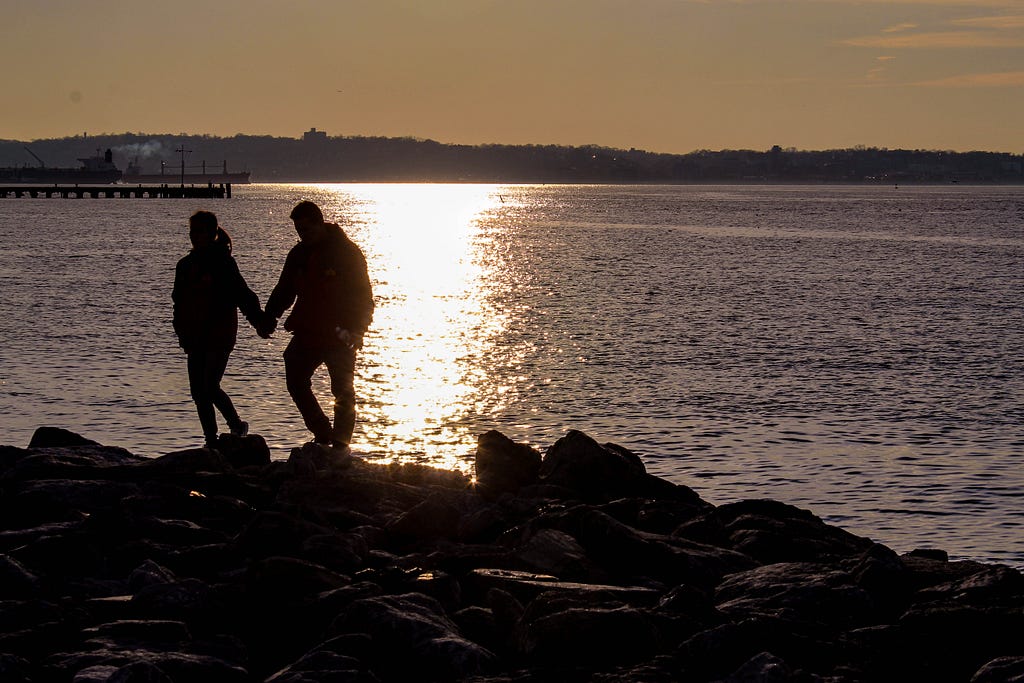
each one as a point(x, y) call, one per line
point(241, 429)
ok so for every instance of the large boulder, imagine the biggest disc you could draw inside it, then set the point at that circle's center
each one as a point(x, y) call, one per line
point(502, 465)
point(56, 437)
point(600, 473)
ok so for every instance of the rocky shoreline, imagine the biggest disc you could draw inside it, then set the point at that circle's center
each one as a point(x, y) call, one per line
point(572, 565)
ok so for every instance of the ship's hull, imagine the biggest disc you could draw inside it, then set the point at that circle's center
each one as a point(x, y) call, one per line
point(240, 178)
point(59, 176)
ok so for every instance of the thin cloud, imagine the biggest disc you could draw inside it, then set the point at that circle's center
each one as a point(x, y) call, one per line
point(1000, 23)
point(942, 39)
point(899, 28)
point(1006, 79)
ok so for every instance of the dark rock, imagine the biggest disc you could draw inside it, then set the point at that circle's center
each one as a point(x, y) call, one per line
point(632, 555)
point(149, 573)
point(431, 519)
point(602, 473)
point(56, 437)
point(16, 582)
point(770, 531)
point(139, 672)
point(761, 668)
point(930, 554)
point(141, 631)
point(321, 665)
point(1001, 670)
point(187, 461)
point(72, 462)
point(187, 600)
point(312, 459)
point(503, 465)
point(14, 669)
point(274, 533)
point(415, 638)
point(244, 451)
point(525, 586)
point(589, 635)
point(50, 500)
point(549, 551)
point(283, 579)
point(807, 591)
point(178, 666)
point(996, 585)
point(95, 674)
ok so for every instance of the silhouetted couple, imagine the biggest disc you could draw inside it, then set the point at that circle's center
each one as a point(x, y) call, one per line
point(324, 276)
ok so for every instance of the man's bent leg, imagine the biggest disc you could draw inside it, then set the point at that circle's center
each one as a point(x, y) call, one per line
point(341, 365)
point(300, 362)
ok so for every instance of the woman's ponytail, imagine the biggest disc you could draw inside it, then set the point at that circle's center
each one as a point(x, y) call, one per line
point(222, 239)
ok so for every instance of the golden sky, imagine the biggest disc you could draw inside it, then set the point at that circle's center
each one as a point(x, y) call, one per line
point(661, 75)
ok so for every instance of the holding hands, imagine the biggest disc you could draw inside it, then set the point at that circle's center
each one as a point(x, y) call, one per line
point(265, 325)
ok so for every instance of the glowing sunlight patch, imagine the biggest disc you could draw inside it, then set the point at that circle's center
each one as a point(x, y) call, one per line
point(417, 375)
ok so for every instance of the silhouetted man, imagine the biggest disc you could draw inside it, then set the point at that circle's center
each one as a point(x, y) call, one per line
point(325, 277)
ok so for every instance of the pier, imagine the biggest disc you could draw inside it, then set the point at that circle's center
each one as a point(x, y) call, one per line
point(221, 191)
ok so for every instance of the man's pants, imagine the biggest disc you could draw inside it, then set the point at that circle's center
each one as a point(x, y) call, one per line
point(301, 359)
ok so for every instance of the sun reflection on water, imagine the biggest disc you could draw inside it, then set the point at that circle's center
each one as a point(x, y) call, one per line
point(417, 373)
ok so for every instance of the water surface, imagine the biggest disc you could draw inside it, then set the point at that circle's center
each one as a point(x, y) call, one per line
point(853, 350)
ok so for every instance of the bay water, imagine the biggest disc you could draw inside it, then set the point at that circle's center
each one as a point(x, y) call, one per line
point(854, 350)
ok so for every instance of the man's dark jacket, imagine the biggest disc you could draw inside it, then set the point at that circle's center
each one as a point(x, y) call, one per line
point(329, 285)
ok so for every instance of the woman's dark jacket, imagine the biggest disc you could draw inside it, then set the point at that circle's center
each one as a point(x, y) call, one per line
point(208, 291)
point(329, 285)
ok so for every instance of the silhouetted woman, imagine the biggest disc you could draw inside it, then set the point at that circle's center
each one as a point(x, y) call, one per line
point(208, 291)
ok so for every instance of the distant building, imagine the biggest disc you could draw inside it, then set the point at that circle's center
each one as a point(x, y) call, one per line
point(314, 135)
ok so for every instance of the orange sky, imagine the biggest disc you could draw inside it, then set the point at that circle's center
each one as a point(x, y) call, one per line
point(661, 75)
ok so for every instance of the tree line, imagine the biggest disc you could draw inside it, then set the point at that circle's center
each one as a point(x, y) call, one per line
point(319, 158)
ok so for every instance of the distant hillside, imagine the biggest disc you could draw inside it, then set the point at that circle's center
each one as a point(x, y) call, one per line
point(319, 158)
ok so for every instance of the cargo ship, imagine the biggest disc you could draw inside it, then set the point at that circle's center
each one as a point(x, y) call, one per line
point(95, 170)
point(187, 175)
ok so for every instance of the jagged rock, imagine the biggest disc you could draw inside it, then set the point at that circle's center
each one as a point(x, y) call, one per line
point(770, 531)
point(415, 637)
point(149, 573)
point(578, 634)
point(188, 461)
point(16, 582)
point(72, 462)
point(526, 586)
point(139, 672)
point(51, 500)
point(431, 519)
point(288, 579)
point(14, 669)
point(188, 600)
point(321, 665)
point(273, 533)
point(993, 585)
point(817, 594)
point(1001, 670)
point(95, 674)
point(549, 551)
point(178, 666)
point(141, 631)
point(631, 554)
point(503, 465)
point(761, 668)
point(199, 567)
